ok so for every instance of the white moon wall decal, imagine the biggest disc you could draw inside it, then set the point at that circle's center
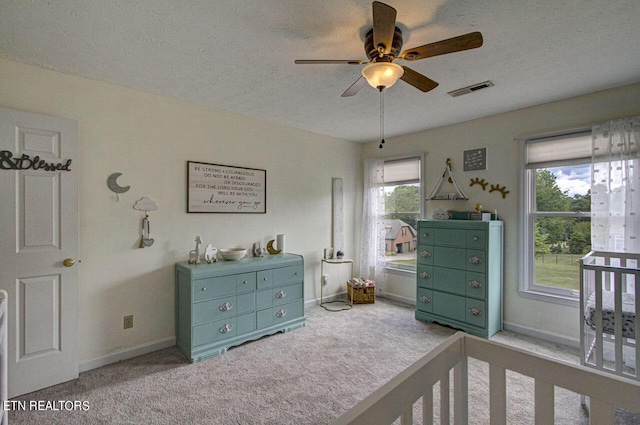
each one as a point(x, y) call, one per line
point(113, 184)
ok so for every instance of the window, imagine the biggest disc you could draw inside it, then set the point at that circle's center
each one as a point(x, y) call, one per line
point(556, 215)
point(403, 200)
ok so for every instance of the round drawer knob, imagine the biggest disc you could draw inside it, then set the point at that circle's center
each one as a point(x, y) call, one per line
point(475, 238)
point(203, 289)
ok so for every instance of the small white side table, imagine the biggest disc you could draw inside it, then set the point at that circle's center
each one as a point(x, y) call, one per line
point(334, 261)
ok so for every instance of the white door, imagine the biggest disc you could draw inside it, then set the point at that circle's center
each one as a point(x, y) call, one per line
point(38, 232)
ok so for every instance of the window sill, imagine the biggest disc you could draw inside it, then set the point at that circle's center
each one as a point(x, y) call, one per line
point(566, 300)
point(401, 272)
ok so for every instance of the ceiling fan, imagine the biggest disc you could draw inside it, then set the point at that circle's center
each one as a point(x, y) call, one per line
point(382, 45)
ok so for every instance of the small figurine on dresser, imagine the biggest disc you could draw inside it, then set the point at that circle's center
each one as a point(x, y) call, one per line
point(194, 255)
point(211, 254)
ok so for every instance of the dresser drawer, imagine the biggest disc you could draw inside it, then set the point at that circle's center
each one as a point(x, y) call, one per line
point(425, 254)
point(452, 281)
point(476, 261)
point(264, 279)
point(476, 313)
point(204, 289)
point(285, 275)
point(453, 258)
point(425, 276)
point(476, 285)
point(245, 282)
point(214, 331)
point(448, 305)
point(424, 300)
point(246, 323)
point(279, 314)
point(425, 234)
point(450, 237)
point(476, 239)
point(279, 295)
point(219, 308)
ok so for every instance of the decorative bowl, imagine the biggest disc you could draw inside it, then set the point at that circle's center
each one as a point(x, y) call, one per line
point(233, 253)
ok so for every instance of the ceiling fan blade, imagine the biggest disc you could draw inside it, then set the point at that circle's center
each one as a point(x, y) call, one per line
point(355, 87)
point(418, 80)
point(329, 61)
point(450, 45)
point(384, 25)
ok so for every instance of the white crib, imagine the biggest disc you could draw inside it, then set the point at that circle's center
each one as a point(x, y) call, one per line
point(396, 398)
point(610, 316)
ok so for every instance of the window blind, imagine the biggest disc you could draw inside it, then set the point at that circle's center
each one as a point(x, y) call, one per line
point(402, 171)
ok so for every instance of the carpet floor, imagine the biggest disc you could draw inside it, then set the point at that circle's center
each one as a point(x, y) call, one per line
point(307, 376)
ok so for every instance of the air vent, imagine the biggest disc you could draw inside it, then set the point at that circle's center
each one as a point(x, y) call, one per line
point(470, 89)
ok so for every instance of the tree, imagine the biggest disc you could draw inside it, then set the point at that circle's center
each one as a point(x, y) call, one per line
point(580, 242)
point(549, 196)
point(541, 246)
point(403, 199)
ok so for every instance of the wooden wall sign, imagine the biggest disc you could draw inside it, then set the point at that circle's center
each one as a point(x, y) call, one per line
point(215, 188)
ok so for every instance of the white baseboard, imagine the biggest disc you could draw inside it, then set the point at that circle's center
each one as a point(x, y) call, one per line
point(546, 336)
point(400, 299)
point(127, 353)
point(326, 298)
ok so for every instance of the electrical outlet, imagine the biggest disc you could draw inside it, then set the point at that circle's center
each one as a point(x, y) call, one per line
point(128, 322)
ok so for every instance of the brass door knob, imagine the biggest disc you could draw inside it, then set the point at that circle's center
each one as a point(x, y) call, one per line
point(68, 262)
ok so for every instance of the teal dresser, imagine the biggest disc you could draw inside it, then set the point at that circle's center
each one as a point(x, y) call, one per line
point(224, 304)
point(459, 274)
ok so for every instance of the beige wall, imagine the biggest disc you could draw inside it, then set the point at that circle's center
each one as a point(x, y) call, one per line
point(149, 139)
point(497, 134)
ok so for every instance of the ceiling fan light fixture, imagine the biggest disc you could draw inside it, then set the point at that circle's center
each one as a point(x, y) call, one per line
point(382, 74)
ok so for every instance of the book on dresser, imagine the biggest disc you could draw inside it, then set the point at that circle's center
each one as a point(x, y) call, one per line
point(459, 274)
point(224, 304)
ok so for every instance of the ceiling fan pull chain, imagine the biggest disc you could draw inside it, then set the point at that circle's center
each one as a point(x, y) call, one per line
point(381, 116)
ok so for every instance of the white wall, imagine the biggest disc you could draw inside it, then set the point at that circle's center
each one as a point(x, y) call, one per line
point(497, 134)
point(149, 139)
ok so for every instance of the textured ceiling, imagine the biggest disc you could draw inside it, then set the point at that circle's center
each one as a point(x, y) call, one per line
point(238, 55)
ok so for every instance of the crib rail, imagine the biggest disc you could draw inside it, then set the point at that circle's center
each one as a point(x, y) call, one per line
point(396, 398)
point(4, 390)
point(616, 275)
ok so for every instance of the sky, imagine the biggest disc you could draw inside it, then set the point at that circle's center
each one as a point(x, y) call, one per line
point(574, 180)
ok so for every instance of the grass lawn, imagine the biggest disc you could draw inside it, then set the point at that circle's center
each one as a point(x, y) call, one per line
point(560, 270)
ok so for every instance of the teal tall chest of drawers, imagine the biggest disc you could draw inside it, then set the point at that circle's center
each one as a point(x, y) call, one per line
point(224, 304)
point(459, 274)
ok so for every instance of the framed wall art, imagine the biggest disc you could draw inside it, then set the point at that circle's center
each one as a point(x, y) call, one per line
point(215, 188)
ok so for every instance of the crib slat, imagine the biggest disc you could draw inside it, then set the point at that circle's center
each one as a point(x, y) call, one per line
point(497, 395)
point(617, 320)
point(461, 392)
point(600, 413)
point(598, 319)
point(636, 323)
point(407, 417)
point(544, 403)
point(445, 417)
point(427, 406)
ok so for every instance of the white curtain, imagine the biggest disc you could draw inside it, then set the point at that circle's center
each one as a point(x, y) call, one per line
point(373, 231)
point(615, 187)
